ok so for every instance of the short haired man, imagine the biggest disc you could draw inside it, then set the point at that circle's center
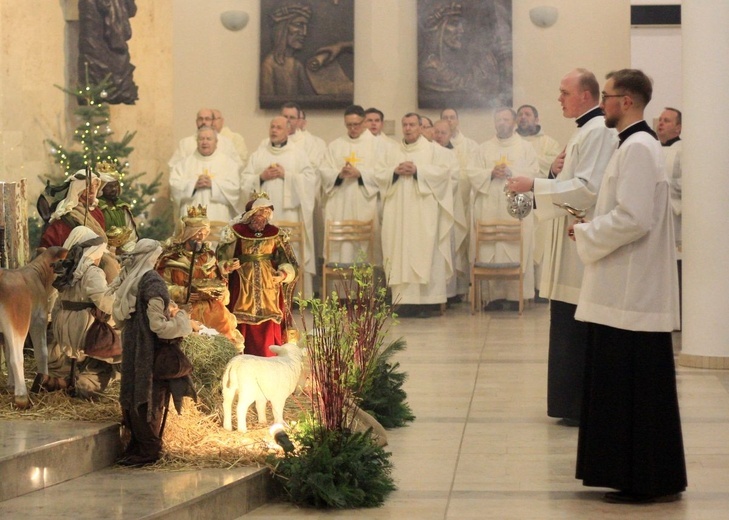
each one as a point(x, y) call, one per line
point(464, 146)
point(224, 131)
point(459, 234)
point(497, 160)
point(209, 178)
point(426, 128)
point(575, 178)
point(374, 119)
point(417, 215)
point(547, 150)
point(187, 145)
point(442, 134)
point(284, 172)
point(466, 150)
point(630, 434)
point(349, 186)
point(313, 146)
point(669, 133)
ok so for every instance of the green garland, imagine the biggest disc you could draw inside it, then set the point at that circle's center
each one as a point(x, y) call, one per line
point(335, 469)
point(383, 396)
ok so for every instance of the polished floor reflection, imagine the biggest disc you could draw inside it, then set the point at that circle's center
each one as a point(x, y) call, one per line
point(482, 445)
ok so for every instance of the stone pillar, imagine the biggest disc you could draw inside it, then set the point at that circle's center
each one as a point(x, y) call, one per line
point(705, 40)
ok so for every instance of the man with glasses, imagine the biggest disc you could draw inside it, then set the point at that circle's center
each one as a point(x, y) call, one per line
point(630, 434)
point(313, 146)
point(574, 178)
point(188, 145)
point(349, 187)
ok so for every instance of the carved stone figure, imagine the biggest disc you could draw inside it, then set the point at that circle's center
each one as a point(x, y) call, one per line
point(104, 31)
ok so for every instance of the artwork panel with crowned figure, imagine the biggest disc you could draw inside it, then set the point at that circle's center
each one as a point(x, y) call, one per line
point(465, 54)
point(307, 53)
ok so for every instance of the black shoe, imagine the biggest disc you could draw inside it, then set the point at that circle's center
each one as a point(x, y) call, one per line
point(136, 461)
point(454, 299)
point(406, 311)
point(510, 305)
point(568, 421)
point(626, 497)
point(494, 305)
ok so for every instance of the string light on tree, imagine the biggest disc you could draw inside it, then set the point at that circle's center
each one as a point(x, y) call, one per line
point(93, 142)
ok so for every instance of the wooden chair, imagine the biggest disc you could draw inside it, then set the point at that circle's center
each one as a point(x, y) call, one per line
point(360, 234)
point(492, 232)
point(297, 239)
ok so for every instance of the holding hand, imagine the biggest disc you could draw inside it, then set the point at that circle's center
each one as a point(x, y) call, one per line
point(501, 172)
point(558, 163)
point(571, 228)
point(230, 266)
point(195, 325)
point(520, 184)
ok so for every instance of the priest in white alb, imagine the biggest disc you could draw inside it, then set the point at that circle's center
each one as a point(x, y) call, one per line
point(284, 172)
point(207, 177)
point(417, 196)
point(349, 186)
point(501, 157)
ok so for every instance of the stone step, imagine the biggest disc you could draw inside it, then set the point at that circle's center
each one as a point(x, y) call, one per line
point(64, 469)
point(117, 493)
point(37, 454)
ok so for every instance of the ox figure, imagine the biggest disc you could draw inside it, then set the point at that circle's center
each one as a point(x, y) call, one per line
point(24, 295)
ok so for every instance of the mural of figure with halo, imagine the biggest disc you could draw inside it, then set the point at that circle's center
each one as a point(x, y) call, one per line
point(464, 53)
point(307, 53)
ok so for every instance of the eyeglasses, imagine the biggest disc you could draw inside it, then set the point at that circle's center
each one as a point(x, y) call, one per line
point(605, 96)
point(353, 125)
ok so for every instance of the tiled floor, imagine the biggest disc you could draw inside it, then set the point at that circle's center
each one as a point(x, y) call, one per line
point(482, 445)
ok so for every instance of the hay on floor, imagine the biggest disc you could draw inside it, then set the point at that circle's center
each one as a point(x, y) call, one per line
point(195, 439)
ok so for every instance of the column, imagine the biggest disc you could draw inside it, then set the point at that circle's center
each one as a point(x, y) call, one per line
point(705, 341)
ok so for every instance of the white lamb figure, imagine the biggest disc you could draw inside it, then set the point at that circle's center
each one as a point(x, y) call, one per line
point(260, 379)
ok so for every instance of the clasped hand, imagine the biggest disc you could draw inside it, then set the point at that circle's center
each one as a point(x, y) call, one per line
point(406, 168)
point(275, 171)
point(204, 181)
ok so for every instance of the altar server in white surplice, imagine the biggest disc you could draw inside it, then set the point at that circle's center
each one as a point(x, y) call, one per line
point(415, 184)
point(501, 157)
point(285, 173)
point(349, 186)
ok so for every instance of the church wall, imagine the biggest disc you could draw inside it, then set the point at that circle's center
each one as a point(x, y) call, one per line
point(33, 55)
point(214, 66)
point(186, 59)
point(32, 60)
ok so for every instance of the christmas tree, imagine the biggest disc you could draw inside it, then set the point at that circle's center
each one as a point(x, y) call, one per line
point(93, 143)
